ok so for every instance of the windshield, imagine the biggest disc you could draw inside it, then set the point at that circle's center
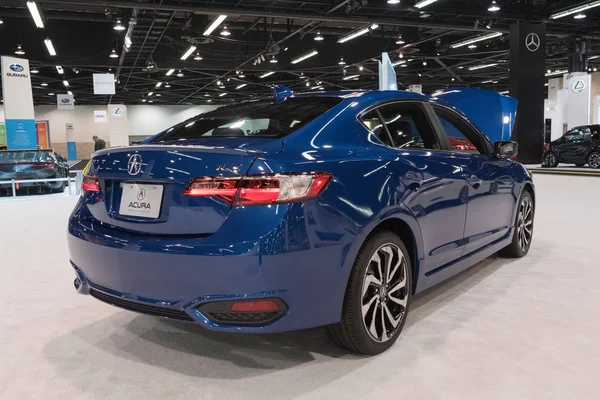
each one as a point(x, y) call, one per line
point(25, 156)
point(254, 119)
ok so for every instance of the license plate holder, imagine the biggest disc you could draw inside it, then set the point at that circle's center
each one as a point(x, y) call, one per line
point(141, 200)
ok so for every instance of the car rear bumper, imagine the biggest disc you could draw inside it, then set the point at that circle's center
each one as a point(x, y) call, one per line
point(173, 278)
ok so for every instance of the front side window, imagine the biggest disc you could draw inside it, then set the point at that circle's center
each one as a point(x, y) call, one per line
point(462, 137)
point(577, 134)
point(254, 119)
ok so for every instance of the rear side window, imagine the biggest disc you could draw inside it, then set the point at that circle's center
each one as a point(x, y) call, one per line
point(256, 119)
point(463, 138)
point(25, 156)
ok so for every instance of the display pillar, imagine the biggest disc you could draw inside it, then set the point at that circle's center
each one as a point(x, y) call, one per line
point(18, 104)
point(527, 77)
point(118, 128)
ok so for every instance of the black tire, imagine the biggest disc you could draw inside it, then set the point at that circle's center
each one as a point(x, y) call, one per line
point(516, 249)
point(593, 159)
point(550, 159)
point(351, 332)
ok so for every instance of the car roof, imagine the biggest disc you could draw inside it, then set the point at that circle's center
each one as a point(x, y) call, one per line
point(374, 95)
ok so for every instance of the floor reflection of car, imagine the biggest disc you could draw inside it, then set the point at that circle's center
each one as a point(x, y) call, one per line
point(579, 146)
point(321, 209)
point(22, 165)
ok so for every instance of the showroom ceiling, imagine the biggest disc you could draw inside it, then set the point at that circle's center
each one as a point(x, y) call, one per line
point(421, 39)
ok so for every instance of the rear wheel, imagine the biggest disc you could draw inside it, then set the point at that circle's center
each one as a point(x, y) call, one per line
point(594, 159)
point(550, 159)
point(523, 233)
point(377, 297)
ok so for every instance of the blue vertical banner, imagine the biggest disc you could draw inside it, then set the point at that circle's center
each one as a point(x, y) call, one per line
point(18, 104)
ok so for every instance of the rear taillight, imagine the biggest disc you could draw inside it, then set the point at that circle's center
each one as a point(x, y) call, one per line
point(264, 189)
point(90, 184)
point(43, 165)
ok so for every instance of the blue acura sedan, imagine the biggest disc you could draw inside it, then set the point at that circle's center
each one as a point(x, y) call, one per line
point(321, 209)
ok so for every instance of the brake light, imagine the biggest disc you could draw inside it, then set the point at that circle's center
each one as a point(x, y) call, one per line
point(90, 184)
point(43, 165)
point(263, 189)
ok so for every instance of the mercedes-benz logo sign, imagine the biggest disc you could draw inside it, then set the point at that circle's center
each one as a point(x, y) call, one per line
point(532, 42)
point(578, 86)
point(141, 194)
point(134, 166)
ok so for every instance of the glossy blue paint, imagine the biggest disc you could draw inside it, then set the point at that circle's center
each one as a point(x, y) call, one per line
point(201, 250)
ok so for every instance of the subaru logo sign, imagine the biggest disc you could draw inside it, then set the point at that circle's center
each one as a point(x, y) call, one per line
point(65, 101)
point(16, 67)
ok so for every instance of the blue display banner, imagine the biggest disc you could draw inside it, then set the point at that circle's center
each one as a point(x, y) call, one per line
point(71, 151)
point(20, 134)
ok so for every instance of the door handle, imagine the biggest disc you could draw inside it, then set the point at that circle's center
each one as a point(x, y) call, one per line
point(474, 181)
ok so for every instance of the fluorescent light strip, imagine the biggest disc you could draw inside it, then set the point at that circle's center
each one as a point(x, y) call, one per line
point(60, 69)
point(267, 74)
point(170, 72)
point(159, 84)
point(188, 52)
point(573, 10)
point(150, 94)
point(347, 78)
point(557, 72)
point(398, 63)
point(50, 47)
point(424, 3)
point(241, 86)
point(504, 92)
point(356, 34)
point(476, 67)
point(214, 24)
point(223, 94)
point(66, 83)
point(475, 40)
point(35, 14)
point(304, 57)
point(70, 93)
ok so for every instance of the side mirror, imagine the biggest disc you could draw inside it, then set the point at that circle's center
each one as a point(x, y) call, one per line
point(506, 149)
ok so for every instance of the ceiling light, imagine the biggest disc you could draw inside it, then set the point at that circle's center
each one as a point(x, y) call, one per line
point(50, 94)
point(118, 26)
point(113, 54)
point(150, 101)
point(50, 47)
point(472, 46)
point(356, 34)
point(404, 65)
point(241, 86)
point(159, 84)
point(347, 78)
point(170, 72)
point(35, 14)
point(35, 71)
point(188, 52)
point(419, 74)
point(197, 58)
point(579, 16)
point(150, 94)
point(393, 1)
point(475, 40)
point(424, 3)
point(66, 83)
point(143, 100)
point(424, 63)
point(305, 56)
point(180, 74)
point(503, 92)
point(60, 69)
point(494, 7)
point(158, 95)
point(44, 84)
point(168, 85)
point(318, 38)
point(400, 40)
point(218, 83)
point(214, 24)
point(342, 62)
point(1, 22)
point(267, 74)
point(575, 10)
point(69, 93)
point(452, 79)
point(209, 100)
point(360, 67)
point(476, 67)
point(489, 24)
point(557, 72)
point(242, 75)
point(399, 62)
point(19, 50)
point(307, 83)
point(225, 32)
point(223, 94)
point(273, 60)
point(222, 87)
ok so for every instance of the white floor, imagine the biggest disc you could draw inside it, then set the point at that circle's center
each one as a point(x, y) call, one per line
point(526, 329)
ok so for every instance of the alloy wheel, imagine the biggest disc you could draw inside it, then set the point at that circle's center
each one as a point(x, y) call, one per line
point(550, 159)
point(594, 160)
point(525, 223)
point(385, 292)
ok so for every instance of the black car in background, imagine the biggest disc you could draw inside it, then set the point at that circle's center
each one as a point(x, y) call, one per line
point(579, 146)
point(32, 164)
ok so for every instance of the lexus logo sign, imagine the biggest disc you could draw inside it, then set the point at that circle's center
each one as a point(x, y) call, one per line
point(532, 42)
point(578, 86)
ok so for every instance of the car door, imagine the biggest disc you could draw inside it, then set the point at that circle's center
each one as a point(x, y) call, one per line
point(491, 187)
point(575, 145)
point(432, 185)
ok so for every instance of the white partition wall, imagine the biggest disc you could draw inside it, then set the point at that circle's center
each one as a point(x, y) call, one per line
point(578, 86)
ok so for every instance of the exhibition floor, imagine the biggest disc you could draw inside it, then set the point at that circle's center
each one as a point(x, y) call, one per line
point(505, 329)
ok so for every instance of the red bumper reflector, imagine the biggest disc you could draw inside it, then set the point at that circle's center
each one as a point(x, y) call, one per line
point(254, 306)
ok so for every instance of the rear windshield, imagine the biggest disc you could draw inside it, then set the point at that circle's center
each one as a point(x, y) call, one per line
point(256, 119)
point(25, 156)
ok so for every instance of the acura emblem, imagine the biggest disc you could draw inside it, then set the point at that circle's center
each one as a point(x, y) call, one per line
point(134, 166)
point(141, 194)
point(532, 42)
